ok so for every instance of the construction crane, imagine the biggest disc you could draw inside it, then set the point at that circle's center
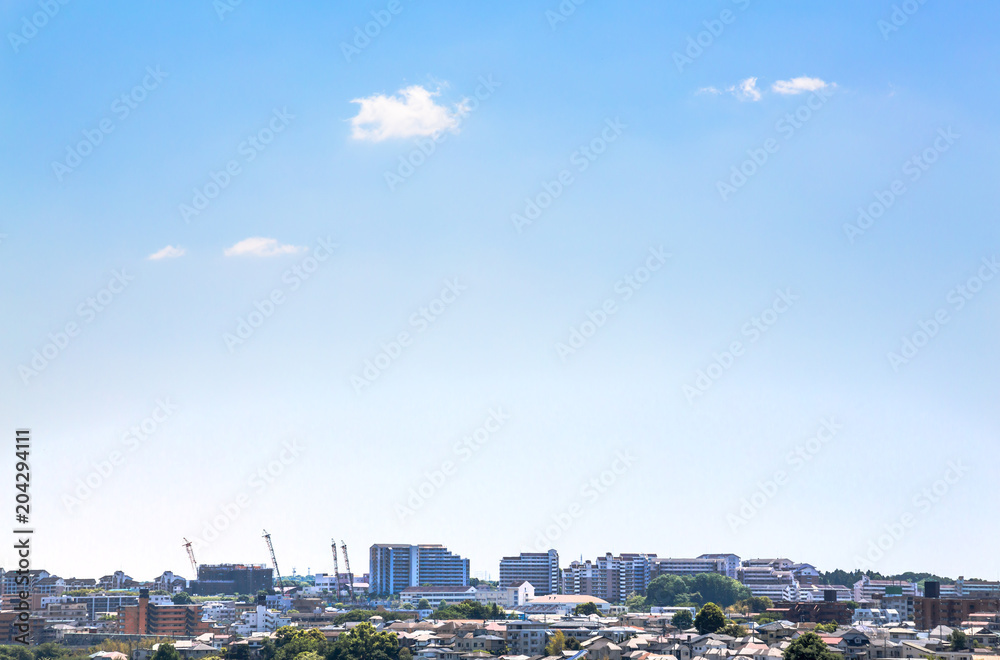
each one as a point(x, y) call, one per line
point(274, 561)
point(347, 563)
point(336, 567)
point(190, 551)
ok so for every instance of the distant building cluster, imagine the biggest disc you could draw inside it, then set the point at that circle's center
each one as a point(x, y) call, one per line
point(536, 597)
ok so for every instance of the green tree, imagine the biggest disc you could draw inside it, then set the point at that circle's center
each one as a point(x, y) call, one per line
point(364, 615)
point(755, 604)
point(556, 644)
point(733, 629)
point(584, 609)
point(424, 604)
point(809, 646)
point(15, 652)
point(166, 652)
point(471, 609)
point(664, 589)
point(49, 650)
point(717, 588)
point(636, 603)
point(682, 619)
point(183, 598)
point(572, 644)
point(710, 618)
point(363, 642)
point(291, 643)
point(308, 655)
point(959, 640)
point(405, 654)
point(767, 617)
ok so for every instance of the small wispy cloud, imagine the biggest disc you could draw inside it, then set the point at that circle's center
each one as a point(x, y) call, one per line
point(257, 246)
point(169, 252)
point(799, 85)
point(746, 90)
point(410, 113)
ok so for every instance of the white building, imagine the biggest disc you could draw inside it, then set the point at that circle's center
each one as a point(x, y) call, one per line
point(260, 620)
point(687, 566)
point(970, 589)
point(731, 562)
point(867, 589)
point(508, 597)
point(877, 617)
point(769, 577)
point(817, 593)
point(434, 595)
point(218, 610)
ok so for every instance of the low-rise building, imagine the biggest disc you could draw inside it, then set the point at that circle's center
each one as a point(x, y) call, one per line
point(259, 620)
point(526, 637)
point(436, 595)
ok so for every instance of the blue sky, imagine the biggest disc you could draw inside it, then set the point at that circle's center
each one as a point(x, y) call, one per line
point(164, 346)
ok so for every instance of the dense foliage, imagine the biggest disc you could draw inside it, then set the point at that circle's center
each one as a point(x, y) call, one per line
point(848, 578)
point(710, 619)
point(469, 609)
point(674, 590)
point(362, 642)
point(809, 647)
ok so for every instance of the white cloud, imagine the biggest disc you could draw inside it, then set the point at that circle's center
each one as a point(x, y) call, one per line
point(746, 90)
point(799, 85)
point(169, 252)
point(257, 246)
point(410, 113)
point(709, 90)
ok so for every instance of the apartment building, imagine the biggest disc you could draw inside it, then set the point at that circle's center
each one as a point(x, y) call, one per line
point(764, 579)
point(867, 589)
point(610, 578)
point(101, 604)
point(732, 562)
point(971, 589)
point(437, 595)
point(72, 613)
point(506, 597)
point(526, 637)
point(259, 620)
point(952, 612)
point(541, 569)
point(9, 584)
point(805, 574)
point(146, 618)
point(687, 567)
point(816, 593)
point(232, 579)
point(394, 567)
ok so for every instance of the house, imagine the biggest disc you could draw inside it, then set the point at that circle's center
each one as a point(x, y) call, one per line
point(472, 643)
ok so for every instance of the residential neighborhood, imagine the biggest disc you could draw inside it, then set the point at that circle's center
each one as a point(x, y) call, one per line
point(421, 602)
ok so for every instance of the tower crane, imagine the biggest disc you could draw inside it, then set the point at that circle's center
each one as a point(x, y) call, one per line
point(336, 567)
point(274, 561)
point(350, 576)
point(190, 551)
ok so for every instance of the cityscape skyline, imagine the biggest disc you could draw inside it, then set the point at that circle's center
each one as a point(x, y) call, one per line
point(503, 276)
point(493, 572)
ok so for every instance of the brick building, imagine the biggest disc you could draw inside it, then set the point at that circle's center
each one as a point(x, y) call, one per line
point(164, 620)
